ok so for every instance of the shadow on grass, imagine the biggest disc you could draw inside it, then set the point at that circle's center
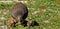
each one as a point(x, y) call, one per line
point(33, 24)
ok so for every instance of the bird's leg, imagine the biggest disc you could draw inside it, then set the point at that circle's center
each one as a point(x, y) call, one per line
point(20, 20)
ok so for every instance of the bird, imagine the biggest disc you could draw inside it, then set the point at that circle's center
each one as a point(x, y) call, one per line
point(11, 22)
point(19, 12)
point(30, 22)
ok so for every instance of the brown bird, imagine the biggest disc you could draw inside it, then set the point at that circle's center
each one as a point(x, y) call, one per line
point(30, 22)
point(11, 22)
point(19, 12)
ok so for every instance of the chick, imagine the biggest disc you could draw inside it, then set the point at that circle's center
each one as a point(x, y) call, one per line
point(30, 22)
point(11, 22)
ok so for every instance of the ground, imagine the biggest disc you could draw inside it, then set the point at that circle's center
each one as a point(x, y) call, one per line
point(45, 12)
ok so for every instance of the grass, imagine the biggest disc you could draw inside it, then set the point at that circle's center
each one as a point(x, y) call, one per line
point(45, 12)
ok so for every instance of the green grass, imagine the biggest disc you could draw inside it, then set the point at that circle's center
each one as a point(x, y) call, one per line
point(47, 16)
